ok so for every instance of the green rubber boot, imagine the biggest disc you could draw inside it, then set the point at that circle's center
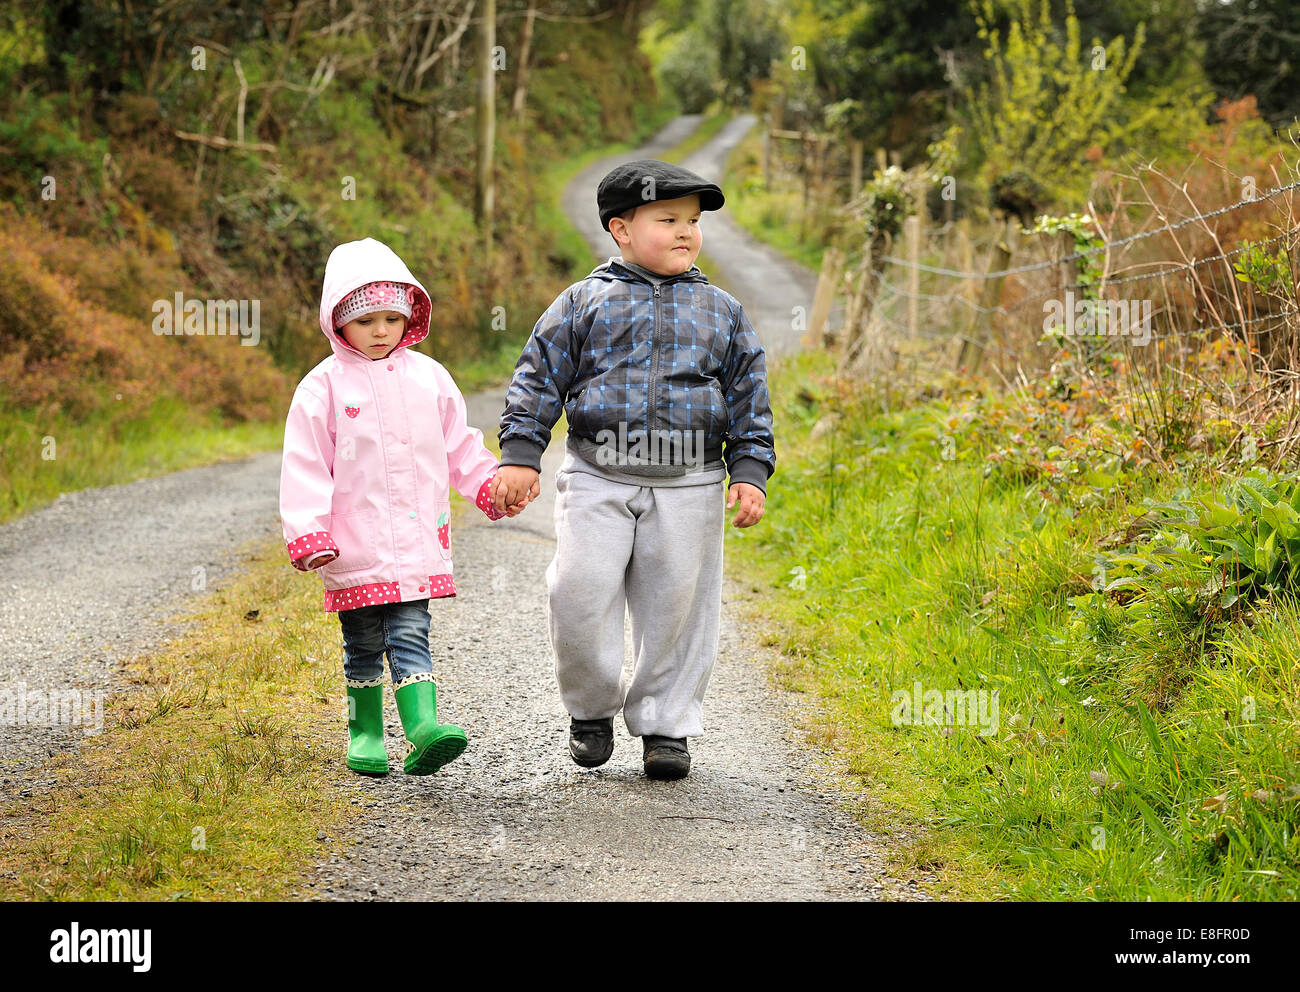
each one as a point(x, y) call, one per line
point(366, 751)
point(430, 745)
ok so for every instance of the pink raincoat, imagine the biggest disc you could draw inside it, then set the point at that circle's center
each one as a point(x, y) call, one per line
point(370, 451)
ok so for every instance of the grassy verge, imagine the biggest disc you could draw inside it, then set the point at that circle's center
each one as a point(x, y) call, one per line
point(709, 127)
point(774, 216)
point(217, 769)
point(1121, 763)
point(40, 460)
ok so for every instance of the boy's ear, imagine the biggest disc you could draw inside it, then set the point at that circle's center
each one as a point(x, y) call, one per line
point(617, 227)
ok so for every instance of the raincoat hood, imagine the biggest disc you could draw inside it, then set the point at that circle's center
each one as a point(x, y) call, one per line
point(350, 267)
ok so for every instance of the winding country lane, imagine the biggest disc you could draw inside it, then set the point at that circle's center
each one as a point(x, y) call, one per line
point(93, 578)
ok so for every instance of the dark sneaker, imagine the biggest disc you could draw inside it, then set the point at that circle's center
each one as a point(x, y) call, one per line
point(666, 757)
point(591, 742)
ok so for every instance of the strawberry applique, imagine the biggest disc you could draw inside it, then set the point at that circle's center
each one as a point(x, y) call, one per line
point(352, 409)
point(444, 531)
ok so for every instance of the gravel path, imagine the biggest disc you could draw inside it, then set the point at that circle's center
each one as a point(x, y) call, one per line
point(759, 817)
point(93, 577)
point(90, 580)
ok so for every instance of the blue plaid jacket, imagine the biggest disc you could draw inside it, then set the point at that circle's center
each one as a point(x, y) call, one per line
point(615, 348)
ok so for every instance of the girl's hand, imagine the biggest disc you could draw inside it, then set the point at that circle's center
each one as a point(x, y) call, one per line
point(515, 486)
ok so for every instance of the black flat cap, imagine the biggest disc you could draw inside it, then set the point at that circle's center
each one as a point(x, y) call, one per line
point(634, 184)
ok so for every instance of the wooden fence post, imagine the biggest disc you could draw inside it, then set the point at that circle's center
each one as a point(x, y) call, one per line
point(1069, 270)
point(777, 112)
point(912, 236)
point(964, 322)
point(972, 349)
point(805, 170)
point(827, 280)
point(857, 311)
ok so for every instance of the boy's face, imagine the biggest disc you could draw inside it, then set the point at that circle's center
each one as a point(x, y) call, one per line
point(663, 236)
point(376, 334)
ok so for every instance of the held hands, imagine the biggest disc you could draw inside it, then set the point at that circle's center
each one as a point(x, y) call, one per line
point(751, 504)
point(514, 487)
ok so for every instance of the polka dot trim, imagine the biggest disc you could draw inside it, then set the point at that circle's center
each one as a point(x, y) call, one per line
point(302, 547)
point(417, 329)
point(371, 594)
point(484, 500)
point(376, 593)
point(440, 586)
point(412, 679)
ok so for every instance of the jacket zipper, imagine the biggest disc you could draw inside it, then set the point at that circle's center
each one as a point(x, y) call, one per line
point(652, 408)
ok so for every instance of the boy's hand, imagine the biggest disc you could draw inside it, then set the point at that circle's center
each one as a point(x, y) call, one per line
point(751, 504)
point(514, 486)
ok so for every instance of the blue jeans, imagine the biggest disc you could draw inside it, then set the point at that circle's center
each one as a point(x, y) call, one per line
point(400, 629)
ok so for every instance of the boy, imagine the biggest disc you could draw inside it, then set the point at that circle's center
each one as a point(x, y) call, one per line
point(664, 383)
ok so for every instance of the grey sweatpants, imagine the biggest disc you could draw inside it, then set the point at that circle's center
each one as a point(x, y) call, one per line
point(658, 551)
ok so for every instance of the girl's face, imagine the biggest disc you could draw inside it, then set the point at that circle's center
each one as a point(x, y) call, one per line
point(376, 334)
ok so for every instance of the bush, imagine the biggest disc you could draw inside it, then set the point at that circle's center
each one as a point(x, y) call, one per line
point(690, 71)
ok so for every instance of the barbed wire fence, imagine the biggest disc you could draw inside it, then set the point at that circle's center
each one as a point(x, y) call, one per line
point(930, 307)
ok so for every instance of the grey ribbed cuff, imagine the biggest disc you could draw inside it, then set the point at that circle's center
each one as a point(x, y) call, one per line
point(521, 451)
point(751, 471)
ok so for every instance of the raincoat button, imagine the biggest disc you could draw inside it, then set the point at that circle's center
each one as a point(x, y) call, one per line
point(390, 368)
point(404, 440)
point(412, 514)
point(421, 588)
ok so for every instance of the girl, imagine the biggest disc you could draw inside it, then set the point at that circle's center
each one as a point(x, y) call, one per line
point(375, 435)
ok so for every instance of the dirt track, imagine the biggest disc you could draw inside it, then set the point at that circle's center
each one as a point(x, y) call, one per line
point(92, 579)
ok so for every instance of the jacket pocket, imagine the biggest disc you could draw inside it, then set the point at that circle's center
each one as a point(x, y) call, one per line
point(718, 418)
point(354, 533)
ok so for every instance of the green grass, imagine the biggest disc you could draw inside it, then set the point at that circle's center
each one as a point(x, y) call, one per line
point(1113, 774)
point(217, 767)
point(773, 216)
point(43, 457)
point(709, 127)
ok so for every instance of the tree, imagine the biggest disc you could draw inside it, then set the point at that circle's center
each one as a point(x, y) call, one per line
point(894, 58)
point(1049, 110)
point(1253, 47)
